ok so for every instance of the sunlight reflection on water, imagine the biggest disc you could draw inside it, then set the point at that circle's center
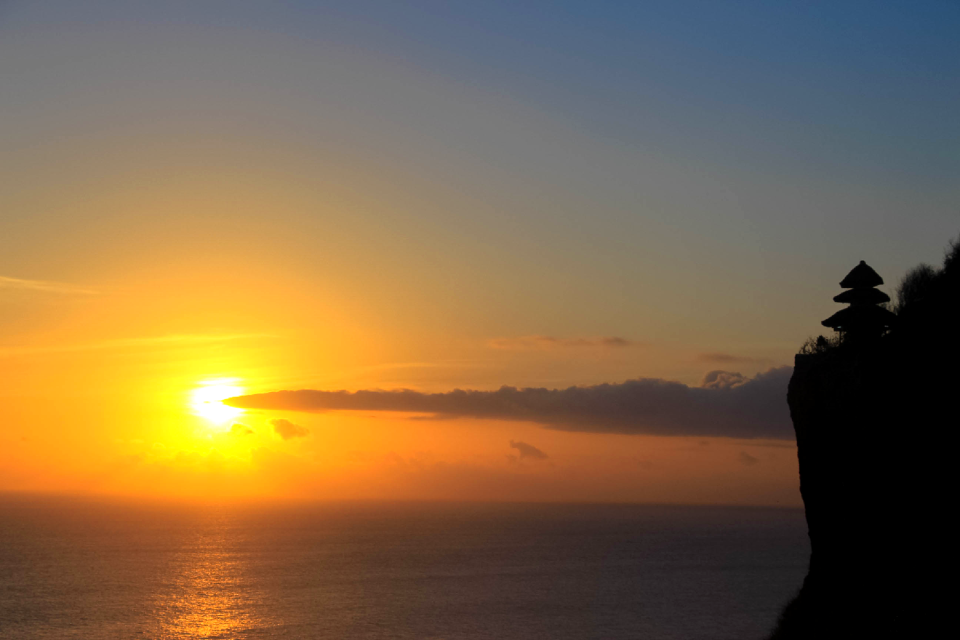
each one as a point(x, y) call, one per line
point(208, 594)
point(75, 570)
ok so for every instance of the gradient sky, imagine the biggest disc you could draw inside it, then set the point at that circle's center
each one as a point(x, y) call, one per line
point(257, 196)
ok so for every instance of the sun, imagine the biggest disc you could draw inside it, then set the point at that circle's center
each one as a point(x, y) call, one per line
point(206, 400)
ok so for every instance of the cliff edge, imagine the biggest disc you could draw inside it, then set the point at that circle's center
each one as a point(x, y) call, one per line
point(875, 421)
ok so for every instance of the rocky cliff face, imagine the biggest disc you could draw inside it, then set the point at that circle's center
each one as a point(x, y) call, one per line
point(876, 427)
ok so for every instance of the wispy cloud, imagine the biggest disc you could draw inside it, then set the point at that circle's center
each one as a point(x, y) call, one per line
point(550, 342)
point(727, 405)
point(45, 286)
point(129, 343)
point(724, 358)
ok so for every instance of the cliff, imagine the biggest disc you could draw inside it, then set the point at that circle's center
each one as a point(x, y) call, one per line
point(875, 423)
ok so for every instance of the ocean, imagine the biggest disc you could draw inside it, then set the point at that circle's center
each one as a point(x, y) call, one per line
point(92, 569)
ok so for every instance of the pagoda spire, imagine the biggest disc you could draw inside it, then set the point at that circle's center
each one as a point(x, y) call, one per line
point(864, 318)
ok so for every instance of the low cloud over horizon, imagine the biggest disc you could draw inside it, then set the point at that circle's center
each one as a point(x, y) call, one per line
point(727, 404)
point(544, 343)
point(724, 358)
point(239, 429)
point(288, 430)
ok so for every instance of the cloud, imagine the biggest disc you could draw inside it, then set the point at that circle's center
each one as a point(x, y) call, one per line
point(723, 380)
point(747, 459)
point(727, 405)
point(543, 343)
point(287, 430)
point(240, 430)
point(528, 450)
point(723, 358)
point(44, 286)
point(176, 340)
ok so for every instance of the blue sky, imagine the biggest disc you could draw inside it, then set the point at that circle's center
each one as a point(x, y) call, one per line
point(860, 85)
point(694, 154)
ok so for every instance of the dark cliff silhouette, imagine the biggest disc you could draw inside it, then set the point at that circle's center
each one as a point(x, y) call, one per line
point(875, 411)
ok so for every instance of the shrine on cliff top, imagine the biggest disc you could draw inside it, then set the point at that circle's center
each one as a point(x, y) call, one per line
point(864, 317)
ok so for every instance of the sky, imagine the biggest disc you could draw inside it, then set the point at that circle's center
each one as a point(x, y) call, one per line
point(566, 250)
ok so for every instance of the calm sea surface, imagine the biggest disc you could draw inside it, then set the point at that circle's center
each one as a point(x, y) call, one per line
point(97, 569)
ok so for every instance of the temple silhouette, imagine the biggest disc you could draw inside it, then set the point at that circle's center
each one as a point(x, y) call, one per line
point(874, 410)
point(864, 319)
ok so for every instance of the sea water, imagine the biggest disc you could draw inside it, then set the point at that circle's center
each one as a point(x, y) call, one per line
point(94, 569)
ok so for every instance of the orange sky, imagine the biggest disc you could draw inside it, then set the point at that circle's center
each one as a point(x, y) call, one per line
point(330, 198)
point(105, 392)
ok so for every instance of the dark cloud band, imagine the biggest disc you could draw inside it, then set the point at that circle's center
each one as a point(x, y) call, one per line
point(728, 405)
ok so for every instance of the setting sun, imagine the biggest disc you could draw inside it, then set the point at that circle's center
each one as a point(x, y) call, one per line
point(415, 319)
point(206, 400)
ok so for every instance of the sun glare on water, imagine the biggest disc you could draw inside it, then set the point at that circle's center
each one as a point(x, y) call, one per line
point(206, 400)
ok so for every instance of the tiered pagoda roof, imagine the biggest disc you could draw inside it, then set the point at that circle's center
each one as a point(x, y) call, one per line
point(861, 276)
point(864, 316)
